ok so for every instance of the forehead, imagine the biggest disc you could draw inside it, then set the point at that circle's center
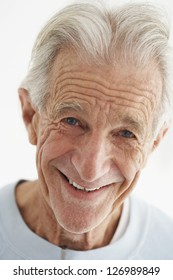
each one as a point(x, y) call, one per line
point(122, 87)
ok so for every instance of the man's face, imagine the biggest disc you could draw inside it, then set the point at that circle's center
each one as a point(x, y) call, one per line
point(94, 138)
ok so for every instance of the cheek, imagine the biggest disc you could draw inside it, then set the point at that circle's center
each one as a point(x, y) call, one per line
point(55, 145)
point(51, 145)
point(130, 161)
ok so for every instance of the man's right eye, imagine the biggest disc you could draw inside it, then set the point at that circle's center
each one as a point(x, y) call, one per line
point(126, 134)
point(71, 121)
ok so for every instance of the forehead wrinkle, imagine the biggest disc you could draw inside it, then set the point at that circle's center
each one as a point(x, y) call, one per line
point(79, 90)
point(142, 99)
point(110, 92)
point(99, 82)
point(62, 106)
point(79, 84)
point(129, 103)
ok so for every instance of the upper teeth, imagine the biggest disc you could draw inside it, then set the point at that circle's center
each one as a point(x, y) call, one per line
point(82, 188)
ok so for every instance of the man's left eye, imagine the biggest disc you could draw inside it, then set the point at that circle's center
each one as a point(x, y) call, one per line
point(71, 121)
point(126, 134)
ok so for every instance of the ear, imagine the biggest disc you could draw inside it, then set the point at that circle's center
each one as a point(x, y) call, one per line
point(160, 135)
point(29, 115)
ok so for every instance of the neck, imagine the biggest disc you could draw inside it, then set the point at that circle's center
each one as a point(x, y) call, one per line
point(40, 218)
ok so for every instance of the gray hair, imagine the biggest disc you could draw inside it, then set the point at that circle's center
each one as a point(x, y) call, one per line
point(139, 31)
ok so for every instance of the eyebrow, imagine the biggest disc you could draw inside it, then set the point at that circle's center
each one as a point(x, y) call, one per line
point(137, 125)
point(67, 106)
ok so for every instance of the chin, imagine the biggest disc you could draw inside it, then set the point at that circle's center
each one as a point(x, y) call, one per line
point(76, 229)
point(79, 223)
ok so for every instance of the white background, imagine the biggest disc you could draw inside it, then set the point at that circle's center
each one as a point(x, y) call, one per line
point(20, 22)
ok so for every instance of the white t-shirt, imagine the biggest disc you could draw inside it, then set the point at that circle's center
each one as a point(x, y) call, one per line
point(144, 232)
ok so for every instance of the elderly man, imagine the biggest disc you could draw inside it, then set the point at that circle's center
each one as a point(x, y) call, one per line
point(96, 102)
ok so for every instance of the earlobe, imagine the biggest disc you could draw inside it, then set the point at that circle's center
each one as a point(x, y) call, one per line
point(28, 114)
point(160, 135)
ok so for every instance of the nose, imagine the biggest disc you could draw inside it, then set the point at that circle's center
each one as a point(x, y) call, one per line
point(91, 159)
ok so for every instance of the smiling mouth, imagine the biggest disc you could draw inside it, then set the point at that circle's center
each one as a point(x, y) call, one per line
point(80, 188)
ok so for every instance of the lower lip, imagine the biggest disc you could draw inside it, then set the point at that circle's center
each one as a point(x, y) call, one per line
point(82, 194)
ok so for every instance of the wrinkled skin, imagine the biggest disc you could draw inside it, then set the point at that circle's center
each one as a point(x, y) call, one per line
point(104, 140)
